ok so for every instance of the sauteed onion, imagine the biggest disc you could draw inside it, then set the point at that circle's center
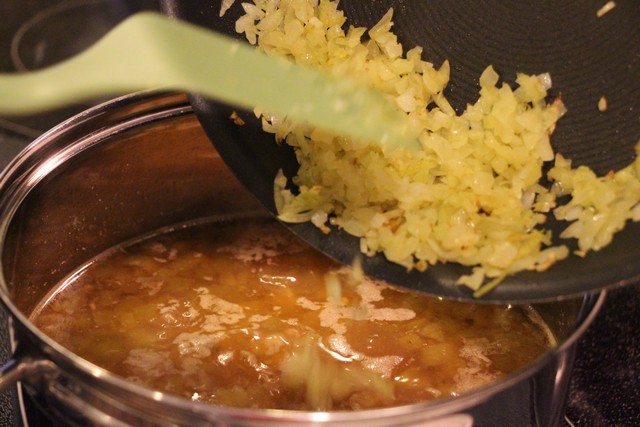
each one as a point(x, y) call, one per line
point(473, 195)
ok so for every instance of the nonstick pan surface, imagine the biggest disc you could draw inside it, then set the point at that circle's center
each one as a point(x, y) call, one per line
point(588, 57)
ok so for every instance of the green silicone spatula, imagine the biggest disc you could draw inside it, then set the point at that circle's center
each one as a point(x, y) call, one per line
point(150, 51)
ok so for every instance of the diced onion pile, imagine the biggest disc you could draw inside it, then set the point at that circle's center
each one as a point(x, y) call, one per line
point(472, 195)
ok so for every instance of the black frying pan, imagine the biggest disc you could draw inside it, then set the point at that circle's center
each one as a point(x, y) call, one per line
point(588, 57)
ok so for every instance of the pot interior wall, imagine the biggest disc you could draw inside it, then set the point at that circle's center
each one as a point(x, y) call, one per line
point(142, 179)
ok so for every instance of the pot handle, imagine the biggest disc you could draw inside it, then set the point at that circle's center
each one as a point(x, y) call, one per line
point(33, 370)
point(27, 368)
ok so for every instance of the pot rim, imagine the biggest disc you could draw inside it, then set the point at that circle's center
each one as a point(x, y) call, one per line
point(20, 173)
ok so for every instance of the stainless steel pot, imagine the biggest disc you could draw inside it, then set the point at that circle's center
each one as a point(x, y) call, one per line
point(142, 162)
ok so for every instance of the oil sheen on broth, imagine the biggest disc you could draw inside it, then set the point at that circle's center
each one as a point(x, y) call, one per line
point(244, 314)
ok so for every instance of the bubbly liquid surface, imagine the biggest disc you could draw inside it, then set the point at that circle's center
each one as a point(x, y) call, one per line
point(243, 314)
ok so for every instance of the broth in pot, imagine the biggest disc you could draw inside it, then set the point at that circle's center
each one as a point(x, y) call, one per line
point(241, 313)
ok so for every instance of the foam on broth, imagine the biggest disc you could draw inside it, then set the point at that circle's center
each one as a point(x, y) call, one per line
point(244, 314)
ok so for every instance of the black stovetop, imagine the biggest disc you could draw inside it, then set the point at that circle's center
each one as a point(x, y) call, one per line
point(605, 389)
